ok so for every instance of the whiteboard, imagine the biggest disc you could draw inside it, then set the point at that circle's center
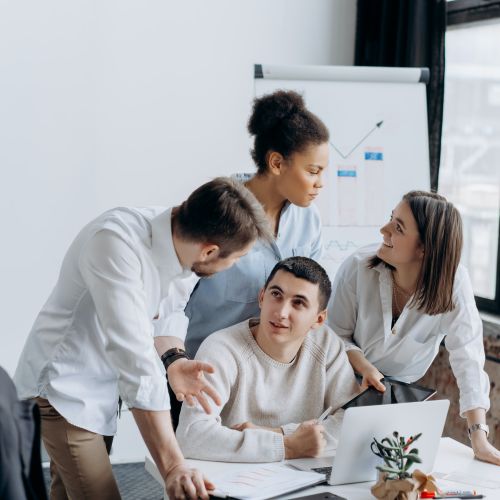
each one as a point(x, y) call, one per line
point(379, 149)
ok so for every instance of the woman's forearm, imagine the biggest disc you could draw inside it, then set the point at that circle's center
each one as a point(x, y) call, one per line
point(358, 361)
point(475, 416)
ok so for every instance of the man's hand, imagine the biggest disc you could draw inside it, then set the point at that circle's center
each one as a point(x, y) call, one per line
point(188, 382)
point(308, 440)
point(372, 377)
point(483, 450)
point(248, 425)
point(183, 482)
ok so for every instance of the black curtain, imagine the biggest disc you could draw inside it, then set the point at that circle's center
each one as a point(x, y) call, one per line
point(407, 33)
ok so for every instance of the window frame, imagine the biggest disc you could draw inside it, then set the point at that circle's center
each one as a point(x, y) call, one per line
point(460, 13)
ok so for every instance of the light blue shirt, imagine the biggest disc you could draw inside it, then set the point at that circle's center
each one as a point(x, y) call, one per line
point(231, 296)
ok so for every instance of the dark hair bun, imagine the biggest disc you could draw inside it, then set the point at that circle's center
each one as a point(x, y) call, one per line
point(281, 122)
point(270, 109)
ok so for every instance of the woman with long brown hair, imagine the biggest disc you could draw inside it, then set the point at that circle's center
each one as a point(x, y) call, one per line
point(393, 304)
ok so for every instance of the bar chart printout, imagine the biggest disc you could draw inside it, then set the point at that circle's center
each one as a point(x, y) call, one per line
point(265, 481)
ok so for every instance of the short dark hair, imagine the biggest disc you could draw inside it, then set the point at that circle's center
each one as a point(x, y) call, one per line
point(440, 230)
point(222, 212)
point(309, 270)
point(281, 122)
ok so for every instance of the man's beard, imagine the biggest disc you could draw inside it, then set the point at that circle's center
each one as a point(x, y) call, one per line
point(201, 270)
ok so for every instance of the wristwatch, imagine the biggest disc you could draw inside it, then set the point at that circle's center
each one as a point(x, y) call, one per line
point(172, 355)
point(478, 427)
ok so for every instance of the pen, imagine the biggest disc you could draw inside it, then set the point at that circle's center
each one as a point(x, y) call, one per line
point(460, 496)
point(451, 494)
point(324, 415)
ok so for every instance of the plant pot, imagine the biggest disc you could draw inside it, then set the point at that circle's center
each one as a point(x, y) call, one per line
point(402, 489)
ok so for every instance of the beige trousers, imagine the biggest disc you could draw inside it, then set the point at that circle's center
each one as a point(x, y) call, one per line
point(79, 462)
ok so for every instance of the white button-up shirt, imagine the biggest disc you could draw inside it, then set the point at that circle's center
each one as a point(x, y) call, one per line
point(360, 311)
point(121, 283)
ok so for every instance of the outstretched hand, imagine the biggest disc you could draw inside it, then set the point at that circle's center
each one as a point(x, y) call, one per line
point(187, 380)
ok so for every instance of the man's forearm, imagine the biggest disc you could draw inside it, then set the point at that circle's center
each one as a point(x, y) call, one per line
point(158, 434)
point(163, 344)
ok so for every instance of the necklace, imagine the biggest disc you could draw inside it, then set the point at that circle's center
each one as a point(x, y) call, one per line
point(396, 307)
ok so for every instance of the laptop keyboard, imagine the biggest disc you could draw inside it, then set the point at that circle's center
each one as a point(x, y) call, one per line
point(324, 470)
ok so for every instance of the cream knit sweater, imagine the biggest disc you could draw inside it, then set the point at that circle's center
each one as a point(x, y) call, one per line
point(256, 388)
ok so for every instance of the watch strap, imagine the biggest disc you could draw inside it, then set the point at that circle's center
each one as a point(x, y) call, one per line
point(172, 355)
point(478, 427)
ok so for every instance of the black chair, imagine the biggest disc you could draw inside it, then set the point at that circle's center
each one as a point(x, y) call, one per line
point(21, 476)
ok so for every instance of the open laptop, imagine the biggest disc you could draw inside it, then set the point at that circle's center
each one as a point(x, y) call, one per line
point(354, 461)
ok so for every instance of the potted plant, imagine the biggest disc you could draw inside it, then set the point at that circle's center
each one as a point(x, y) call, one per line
point(395, 481)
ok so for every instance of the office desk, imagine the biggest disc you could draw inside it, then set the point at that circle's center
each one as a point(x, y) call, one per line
point(455, 468)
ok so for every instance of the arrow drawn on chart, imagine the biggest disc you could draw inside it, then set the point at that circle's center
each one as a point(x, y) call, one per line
point(344, 156)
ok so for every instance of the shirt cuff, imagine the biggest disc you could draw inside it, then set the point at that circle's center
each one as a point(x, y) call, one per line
point(289, 429)
point(349, 346)
point(473, 400)
point(152, 394)
point(173, 325)
point(278, 447)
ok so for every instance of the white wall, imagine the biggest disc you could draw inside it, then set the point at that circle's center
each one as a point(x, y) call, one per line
point(106, 103)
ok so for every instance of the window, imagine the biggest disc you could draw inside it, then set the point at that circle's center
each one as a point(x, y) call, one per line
point(470, 163)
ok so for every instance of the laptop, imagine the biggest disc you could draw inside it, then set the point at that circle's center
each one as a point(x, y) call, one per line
point(354, 461)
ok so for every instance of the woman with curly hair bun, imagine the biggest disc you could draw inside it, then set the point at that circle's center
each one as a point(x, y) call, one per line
point(290, 152)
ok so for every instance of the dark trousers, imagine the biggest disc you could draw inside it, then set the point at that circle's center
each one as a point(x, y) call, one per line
point(175, 408)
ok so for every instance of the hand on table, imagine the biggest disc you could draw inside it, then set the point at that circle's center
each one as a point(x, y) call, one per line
point(483, 449)
point(182, 482)
point(187, 380)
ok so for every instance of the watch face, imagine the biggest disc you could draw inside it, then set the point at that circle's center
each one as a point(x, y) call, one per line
point(478, 427)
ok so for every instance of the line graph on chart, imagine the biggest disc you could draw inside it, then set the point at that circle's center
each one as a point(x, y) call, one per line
point(355, 180)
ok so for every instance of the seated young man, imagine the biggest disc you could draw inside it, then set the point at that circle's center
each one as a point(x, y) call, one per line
point(275, 374)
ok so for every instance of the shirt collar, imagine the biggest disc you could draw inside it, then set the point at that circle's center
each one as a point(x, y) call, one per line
point(384, 272)
point(163, 249)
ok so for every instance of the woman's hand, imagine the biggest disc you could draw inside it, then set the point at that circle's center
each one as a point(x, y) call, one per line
point(372, 377)
point(483, 450)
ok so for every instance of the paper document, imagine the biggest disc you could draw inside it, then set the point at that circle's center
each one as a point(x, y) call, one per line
point(263, 481)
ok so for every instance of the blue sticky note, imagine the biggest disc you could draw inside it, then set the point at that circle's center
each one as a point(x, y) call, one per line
point(346, 173)
point(374, 155)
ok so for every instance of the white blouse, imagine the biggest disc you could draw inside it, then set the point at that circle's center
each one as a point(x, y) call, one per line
point(360, 312)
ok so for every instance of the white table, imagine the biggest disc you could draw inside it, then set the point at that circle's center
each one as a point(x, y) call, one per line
point(455, 468)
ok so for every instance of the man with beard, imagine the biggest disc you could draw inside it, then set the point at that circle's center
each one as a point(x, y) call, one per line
point(125, 279)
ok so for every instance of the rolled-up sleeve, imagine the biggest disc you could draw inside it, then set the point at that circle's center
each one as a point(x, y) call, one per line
point(172, 320)
point(342, 307)
point(464, 341)
point(112, 272)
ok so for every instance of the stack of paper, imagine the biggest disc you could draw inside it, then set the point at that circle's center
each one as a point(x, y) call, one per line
point(264, 481)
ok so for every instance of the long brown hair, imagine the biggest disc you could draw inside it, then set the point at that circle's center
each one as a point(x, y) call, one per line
point(440, 230)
